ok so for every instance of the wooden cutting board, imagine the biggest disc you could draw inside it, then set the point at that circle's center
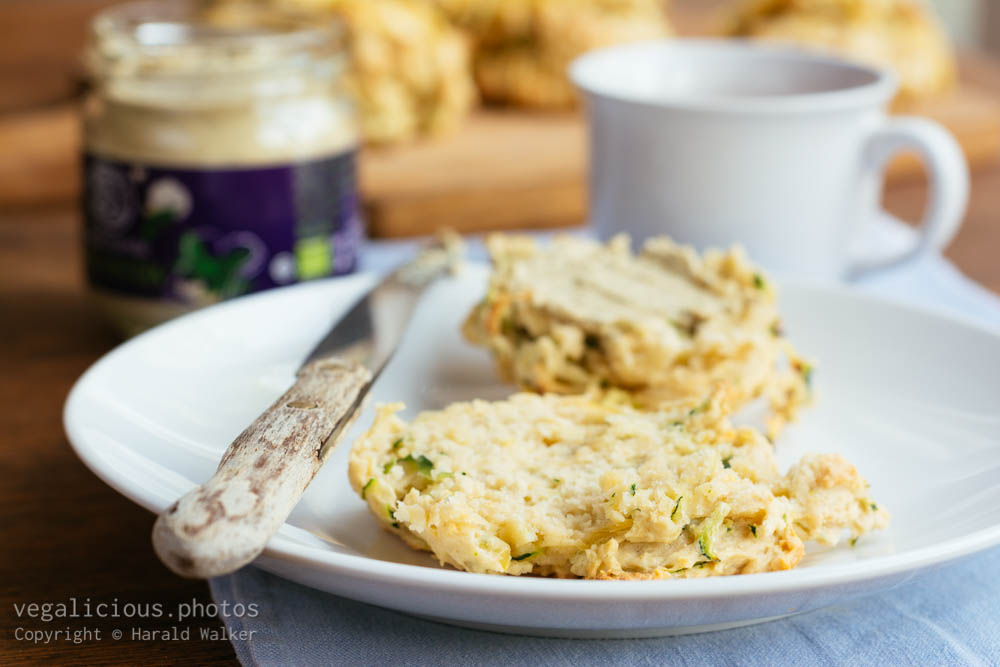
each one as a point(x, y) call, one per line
point(502, 170)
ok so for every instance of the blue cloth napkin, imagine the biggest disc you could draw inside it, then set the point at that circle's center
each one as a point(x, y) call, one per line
point(949, 615)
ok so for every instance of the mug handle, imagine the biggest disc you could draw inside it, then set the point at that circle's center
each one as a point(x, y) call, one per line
point(948, 179)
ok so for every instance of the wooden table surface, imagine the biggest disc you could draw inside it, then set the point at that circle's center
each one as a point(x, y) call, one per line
point(67, 535)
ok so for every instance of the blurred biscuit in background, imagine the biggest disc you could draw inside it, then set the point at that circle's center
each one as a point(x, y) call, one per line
point(410, 69)
point(523, 47)
point(417, 64)
point(903, 35)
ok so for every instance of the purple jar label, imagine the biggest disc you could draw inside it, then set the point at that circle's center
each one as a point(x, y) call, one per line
point(201, 235)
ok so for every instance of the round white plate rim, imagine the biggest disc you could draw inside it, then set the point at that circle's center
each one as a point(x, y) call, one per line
point(356, 566)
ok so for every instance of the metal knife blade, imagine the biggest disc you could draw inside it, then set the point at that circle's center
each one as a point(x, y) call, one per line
point(373, 327)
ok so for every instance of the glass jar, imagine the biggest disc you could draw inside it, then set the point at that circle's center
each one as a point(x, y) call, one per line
point(219, 157)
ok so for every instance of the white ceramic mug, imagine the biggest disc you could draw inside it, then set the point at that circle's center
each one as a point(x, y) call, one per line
point(719, 141)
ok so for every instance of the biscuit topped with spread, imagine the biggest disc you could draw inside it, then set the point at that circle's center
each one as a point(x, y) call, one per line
point(580, 316)
point(569, 487)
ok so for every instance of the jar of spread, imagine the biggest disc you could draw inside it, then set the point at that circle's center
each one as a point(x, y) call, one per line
point(219, 157)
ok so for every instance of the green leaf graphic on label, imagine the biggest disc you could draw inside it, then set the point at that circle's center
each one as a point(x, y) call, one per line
point(220, 275)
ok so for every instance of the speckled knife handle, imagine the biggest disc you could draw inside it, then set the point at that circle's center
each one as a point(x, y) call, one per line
point(226, 522)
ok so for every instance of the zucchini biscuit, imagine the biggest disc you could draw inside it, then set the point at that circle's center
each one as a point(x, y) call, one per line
point(409, 69)
point(579, 316)
point(903, 35)
point(565, 486)
point(522, 48)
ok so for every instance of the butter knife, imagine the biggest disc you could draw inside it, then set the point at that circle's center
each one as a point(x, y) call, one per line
point(226, 522)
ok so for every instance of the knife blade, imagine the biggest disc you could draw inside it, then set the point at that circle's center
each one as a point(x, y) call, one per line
point(226, 522)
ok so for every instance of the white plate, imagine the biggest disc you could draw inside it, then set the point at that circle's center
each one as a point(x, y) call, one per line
point(909, 396)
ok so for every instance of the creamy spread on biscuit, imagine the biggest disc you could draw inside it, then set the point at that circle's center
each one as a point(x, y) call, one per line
point(569, 487)
point(598, 288)
point(580, 316)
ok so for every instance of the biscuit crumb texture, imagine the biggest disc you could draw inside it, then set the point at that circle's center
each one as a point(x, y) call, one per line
point(577, 316)
point(566, 486)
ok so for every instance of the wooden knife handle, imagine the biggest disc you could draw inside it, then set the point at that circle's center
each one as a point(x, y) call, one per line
point(226, 522)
